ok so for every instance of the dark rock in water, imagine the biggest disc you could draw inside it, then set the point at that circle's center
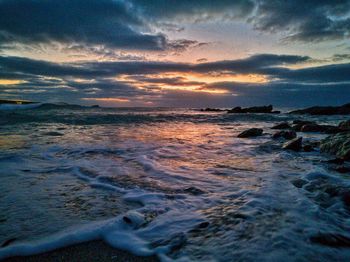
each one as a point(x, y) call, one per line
point(134, 218)
point(325, 110)
point(194, 191)
point(331, 240)
point(345, 196)
point(298, 124)
point(285, 134)
point(283, 125)
point(319, 128)
point(344, 125)
point(276, 112)
point(8, 242)
point(302, 122)
point(53, 134)
point(294, 144)
point(208, 109)
point(338, 145)
point(308, 148)
point(299, 183)
point(342, 169)
point(236, 110)
point(252, 132)
point(95, 106)
point(256, 109)
point(337, 161)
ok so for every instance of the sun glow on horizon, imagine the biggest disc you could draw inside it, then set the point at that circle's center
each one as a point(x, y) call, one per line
point(11, 82)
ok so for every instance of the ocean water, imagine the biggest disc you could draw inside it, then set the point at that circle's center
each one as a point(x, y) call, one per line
point(173, 182)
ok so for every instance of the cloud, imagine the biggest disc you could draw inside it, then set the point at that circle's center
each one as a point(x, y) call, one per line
point(154, 81)
point(306, 21)
point(103, 22)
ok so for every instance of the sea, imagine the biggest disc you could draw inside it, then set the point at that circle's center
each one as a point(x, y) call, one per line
point(175, 183)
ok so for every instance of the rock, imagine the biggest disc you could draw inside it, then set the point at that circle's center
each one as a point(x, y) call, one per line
point(276, 112)
point(298, 124)
point(294, 144)
point(344, 125)
point(342, 169)
point(252, 132)
point(194, 191)
point(283, 125)
point(299, 183)
point(53, 133)
point(8, 242)
point(285, 134)
point(308, 148)
point(208, 109)
point(336, 161)
point(303, 122)
point(255, 109)
point(319, 128)
point(325, 110)
point(134, 219)
point(331, 240)
point(236, 110)
point(338, 145)
point(345, 196)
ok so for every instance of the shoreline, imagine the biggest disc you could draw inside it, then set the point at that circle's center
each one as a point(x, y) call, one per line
point(96, 250)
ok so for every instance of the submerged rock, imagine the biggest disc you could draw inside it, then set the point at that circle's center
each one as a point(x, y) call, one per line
point(325, 110)
point(308, 148)
point(338, 145)
point(285, 134)
point(252, 132)
point(283, 125)
point(294, 144)
point(208, 109)
point(344, 125)
point(298, 124)
point(331, 240)
point(319, 128)
point(194, 191)
point(134, 218)
point(255, 109)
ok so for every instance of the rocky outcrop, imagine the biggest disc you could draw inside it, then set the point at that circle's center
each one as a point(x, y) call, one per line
point(298, 124)
point(283, 125)
point(252, 132)
point(338, 145)
point(208, 109)
point(294, 144)
point(255, 109)
point(286, 134)
point(320, 128)
point(344, 125)
point(325, 110)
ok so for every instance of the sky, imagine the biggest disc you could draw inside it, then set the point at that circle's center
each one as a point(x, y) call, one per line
point(182, 53)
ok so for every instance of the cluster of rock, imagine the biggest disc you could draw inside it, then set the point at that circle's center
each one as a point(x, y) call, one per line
point(325, 110)
point(337, 144)
point(239, 110)
point(256, 109)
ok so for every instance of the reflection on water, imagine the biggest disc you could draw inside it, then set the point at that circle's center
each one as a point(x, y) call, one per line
point(205, 194)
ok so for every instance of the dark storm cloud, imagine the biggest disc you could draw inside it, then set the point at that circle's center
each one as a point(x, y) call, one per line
point(298, 20)
point(253, 64)
point(304, 20)
point(102, 79)
point(106, 22)
point(132, 24)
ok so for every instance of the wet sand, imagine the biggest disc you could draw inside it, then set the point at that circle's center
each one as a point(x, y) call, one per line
point(96, 251)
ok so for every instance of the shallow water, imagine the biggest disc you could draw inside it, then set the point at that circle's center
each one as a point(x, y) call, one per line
point(178, 183)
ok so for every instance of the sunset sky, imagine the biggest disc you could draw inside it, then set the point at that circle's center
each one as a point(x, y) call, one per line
point(176, 53)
